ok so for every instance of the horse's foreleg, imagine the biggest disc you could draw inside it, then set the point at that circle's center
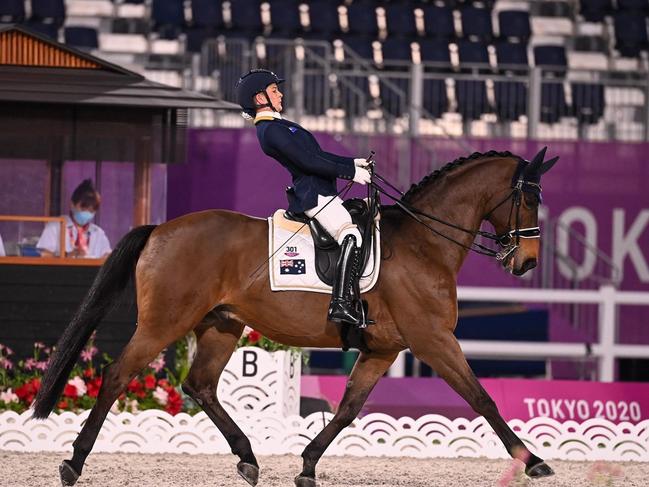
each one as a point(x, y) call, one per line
point(215, 346)
point(141, 350)
point(443, 353)
point(369, 368)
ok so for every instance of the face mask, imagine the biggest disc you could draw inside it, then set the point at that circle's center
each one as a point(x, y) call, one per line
point(82, 217)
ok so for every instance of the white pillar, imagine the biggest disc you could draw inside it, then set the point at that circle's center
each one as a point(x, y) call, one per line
point(607, 333)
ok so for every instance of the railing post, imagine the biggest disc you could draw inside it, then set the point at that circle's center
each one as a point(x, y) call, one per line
point(607, 333)
point(398, 368)
point(534, 102)
point(298, 80)
point(416, 97)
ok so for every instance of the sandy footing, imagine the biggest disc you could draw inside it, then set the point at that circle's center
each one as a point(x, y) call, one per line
point(115, 470)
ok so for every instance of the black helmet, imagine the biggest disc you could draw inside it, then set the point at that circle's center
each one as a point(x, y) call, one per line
point(253, 82)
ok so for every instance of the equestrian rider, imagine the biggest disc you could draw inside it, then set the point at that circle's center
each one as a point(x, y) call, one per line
point(314, 174)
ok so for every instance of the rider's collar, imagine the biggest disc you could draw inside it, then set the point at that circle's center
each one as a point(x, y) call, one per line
point(267, 115)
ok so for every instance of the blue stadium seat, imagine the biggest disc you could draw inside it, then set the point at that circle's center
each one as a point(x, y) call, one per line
point(285, 17)
point(514, 24)
point(396, 49)
point(552, 57)
point(362, 19)
point(207, 13)
point(48, 30)
point(435, 99)
point(85, 38)
point(471, 95)
point(595, 10)
point(323, 19)
point(634, 5)
point(362, 46)
point(511, 96)
point(12, 11)
point(588, 102)
point(401, 20)
point(553, 98)
point(246, 19)
point(196, 37)
point(48, 10)
point(435, 51)
point(476, 23)
point(168, 17)
point(438, 22)
point(630, 33)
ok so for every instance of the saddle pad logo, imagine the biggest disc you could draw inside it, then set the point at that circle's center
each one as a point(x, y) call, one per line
point(292, 266)
point(291, 251)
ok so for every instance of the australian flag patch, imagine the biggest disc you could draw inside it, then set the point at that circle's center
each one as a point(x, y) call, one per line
point(292, 266)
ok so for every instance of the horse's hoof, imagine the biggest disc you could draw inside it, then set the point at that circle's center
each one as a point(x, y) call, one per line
point(301, 481)
point(249, 472)
point(69, 475)
point(539, 470)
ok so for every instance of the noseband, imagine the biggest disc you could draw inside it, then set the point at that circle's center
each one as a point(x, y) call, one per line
point(508, 241)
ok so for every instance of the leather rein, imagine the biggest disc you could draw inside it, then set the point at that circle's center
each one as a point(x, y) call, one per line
point(508, 241)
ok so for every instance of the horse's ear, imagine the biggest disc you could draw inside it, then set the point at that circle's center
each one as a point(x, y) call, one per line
point(547, 165)
point(538, 158)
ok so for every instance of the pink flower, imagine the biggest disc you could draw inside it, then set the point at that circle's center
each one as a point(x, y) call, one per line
point(39, 346)
point(159, 363)
point(30, 364)
point(5, 363)
point(6, 349)
point(42, 365)
point(79, 384)
point(161, 396)
point(8, 396)
point(87, 353)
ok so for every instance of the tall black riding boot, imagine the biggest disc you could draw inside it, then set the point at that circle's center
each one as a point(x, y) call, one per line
point(345, 303)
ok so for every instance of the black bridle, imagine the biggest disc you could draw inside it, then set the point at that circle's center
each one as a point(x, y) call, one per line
point(508, 241)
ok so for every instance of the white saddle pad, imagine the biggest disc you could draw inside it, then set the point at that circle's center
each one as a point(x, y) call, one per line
point(292, 267)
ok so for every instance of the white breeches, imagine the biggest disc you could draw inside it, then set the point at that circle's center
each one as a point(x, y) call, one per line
point(334, 218)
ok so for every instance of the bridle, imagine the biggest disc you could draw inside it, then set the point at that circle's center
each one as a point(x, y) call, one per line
point(508, 241)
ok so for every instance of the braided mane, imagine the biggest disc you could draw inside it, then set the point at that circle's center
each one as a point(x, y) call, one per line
point(416, 188)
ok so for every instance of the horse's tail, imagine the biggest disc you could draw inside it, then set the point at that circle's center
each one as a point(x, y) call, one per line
point(111, 280)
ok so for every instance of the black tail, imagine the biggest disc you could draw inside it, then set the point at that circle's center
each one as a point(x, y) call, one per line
point(111, 280)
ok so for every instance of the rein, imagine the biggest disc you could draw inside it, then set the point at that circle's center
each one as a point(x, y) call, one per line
point(504, 240)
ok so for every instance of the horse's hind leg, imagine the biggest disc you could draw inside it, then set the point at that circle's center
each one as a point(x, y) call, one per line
point(442, 352)
point(216, 341)
point(369, 368)
point(143, 347)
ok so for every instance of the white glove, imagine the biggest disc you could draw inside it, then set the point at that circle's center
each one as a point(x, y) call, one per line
point(360, 162)
point(362, 176)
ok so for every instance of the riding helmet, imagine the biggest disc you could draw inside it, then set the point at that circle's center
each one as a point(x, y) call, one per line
point(253, 82)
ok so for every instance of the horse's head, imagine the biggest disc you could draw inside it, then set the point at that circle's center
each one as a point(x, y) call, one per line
point(515, 218)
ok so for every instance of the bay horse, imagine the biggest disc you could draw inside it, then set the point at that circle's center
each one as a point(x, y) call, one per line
point(193, 273)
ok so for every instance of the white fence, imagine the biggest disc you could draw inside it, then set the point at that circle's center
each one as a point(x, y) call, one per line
point(606, 350)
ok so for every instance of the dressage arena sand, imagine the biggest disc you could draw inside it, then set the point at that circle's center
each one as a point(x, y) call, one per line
point(115, 470)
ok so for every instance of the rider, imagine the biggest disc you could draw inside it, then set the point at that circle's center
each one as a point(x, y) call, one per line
point(314, 174)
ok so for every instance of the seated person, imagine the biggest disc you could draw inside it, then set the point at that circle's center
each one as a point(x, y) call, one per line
point(82, 239)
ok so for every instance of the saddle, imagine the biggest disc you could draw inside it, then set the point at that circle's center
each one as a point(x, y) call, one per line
point(327, 249)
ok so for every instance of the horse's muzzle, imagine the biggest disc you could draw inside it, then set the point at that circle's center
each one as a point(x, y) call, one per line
point(527, 265)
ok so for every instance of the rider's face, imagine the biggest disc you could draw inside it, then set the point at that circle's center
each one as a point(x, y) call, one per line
point(275, 97)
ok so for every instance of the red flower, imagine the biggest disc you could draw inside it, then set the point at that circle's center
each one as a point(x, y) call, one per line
point(254, 337)
point(134, 386)
point(63, 404)
point(149, 382)
point(88, 373)
point(70, 391)
point(164, 383)
point(28, 390)
point(174, 402)
point(93, 387)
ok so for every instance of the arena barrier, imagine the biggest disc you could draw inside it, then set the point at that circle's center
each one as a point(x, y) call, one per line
point(376, 434)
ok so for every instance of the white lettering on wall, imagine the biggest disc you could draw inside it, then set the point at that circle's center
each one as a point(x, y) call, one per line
point(572, 215)
point(627, 245)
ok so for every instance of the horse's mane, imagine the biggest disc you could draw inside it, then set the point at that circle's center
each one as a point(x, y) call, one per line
point(416, 188)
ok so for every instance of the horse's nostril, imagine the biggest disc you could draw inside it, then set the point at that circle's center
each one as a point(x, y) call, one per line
point(529, 264)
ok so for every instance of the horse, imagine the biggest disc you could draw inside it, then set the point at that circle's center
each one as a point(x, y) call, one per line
point(194, 273)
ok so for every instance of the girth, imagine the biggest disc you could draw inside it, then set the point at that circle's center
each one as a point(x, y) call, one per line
point(326, 247)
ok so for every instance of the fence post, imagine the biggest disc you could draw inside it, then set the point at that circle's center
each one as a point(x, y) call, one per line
point(607, 333)
point(298, 80)
point(416, 98)
point(534, 102)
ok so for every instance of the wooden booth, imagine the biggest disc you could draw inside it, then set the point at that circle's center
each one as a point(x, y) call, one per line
point(59, 106)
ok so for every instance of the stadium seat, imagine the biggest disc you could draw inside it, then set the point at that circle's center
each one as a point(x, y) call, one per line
point(12, 11)
point(207, 13)
point(438, 22)
point(323, 19)
point(511, 96)
point(476, 24)
point(630, 33)
point(588, 102)
point(48, 30)
point(396, 50)
point(553, 57)
point(85, 38)
point(514, 24)
point(641, 6)
point(285, 17)
point(362, 46)
point(246, 19)
point(362, 19)
point(401, 20)
point(168, 18)
point(48, 11)
point(471, 95)
point(553, 99)
point(195, 37)
point(435, 51)
point(595, 10)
